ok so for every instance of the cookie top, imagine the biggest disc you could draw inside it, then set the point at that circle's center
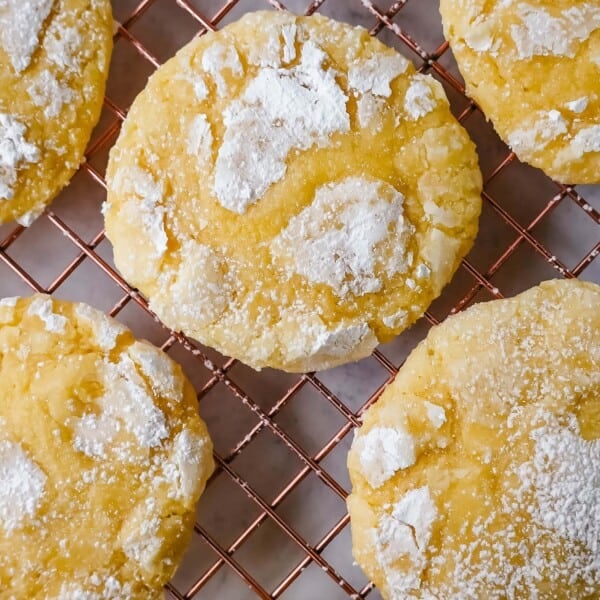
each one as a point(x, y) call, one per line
point(102, 456)
point(534, 68)
point(477, 473)
point(290, 192)
point(54, 58)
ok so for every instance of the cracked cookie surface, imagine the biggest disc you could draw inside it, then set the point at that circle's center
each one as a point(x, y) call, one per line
point(477, 472)
point(102, 456)
point(54, 59)
point(291, 192)
point(534, 68)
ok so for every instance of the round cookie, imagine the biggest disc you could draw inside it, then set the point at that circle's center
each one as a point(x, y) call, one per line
point(290, 192)
point(534, 68)
point(54, 59)
point(102, 456)
point(477, 473)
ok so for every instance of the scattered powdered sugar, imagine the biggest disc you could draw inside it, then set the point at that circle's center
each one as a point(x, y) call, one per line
point(106, 330)
point(439, 250)
point(200, 88)
point(369, 109)
point(543, 34)
point(421, 97)
point(436, 414)
point(43, 307)
point(127, 399)
point(22, 485)
point(311, 344)
point(397, 320)
point(353, 232)
point(188, 457)
point(63, 46)
point(480, 35)
point(20, 24)
point(437, 214)
point(147, 210)
point(15, 150)
point(405, 534)
point(579, 105)
point(538, 132)
point(383, 451)
point(586, 140)
point(353, 342)
point(94, 433)
point(97, 587)
point(200, 139)
point(220, 57)
point(9, 302)
point(189, 74)
point(46, 91)
point(422, 271)
point(267, 53)
point(280, 109)
point(376, 73)
point(27, 219)
point(564, 478)
point(158, 368)
point(556, 503)
point(288, 33)
point(200, 286)
point(143, 545)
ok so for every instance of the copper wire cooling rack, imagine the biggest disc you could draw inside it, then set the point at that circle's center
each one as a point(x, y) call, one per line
point(272, 523)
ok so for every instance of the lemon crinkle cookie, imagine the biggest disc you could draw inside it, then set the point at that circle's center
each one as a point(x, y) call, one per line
point(102, 456)
point(290, 192)
point(477, 473)
point(54, 59)
point(534, 68)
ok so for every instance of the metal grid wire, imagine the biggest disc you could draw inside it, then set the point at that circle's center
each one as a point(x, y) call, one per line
point(266, 501)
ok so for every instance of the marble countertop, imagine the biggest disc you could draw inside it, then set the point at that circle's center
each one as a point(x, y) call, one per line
point(292, 493)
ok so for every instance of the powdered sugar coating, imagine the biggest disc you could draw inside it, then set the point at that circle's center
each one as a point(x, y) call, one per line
point(147, 210)
point(543, 34)
point(90, 436)
point(20, 25)
point(43, 308)
point(585, 141)
point(375, 74)
point(8, 302)
point(106, 330)
point(187, 458)
point(27, 219)
point(542, 129)
point(361, 223)
point(516, 484)
point(405, 532)
point(294, 109)
point(53, 64)
point(220, 57)
point(383, 451)
point(15, 153)
point(200, 139)
point(436, 414)
point(579, 105)
point(158, 369)
point(519, 59)
point(564, 477)
point(289, 238)
point(46, 91)
point(22, 485)
point(127, 398)
point(422, 96)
